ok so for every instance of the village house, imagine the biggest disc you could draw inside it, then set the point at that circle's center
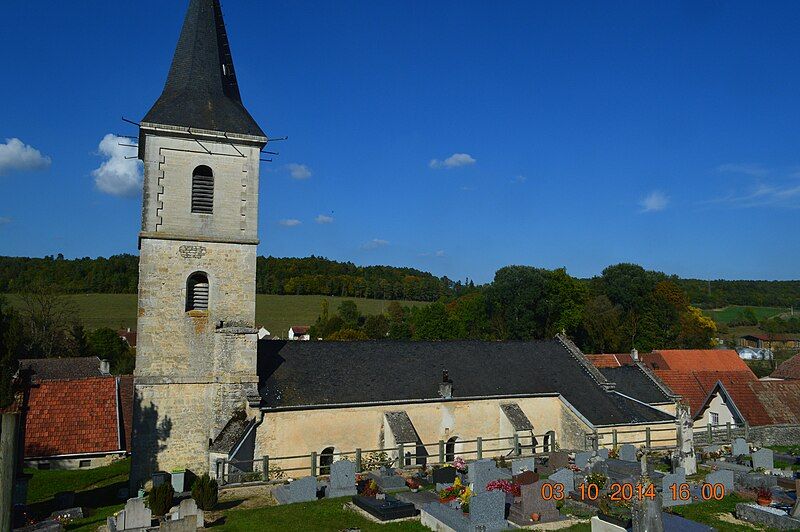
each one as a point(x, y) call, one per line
point(206, 387)
point(299, 332)
point(789, 369)
point(770, 341)
point(76, 413)
point(128, 336)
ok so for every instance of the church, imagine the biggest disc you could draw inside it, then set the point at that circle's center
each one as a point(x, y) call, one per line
point(206, 388)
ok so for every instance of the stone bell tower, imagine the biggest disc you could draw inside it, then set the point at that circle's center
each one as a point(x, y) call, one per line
point(196, 353)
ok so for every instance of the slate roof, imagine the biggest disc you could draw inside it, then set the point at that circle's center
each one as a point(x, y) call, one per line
point(201, 89)
point(45, 369)
point(516, 416)
point(231, 434)
point(789, 369)
point(781, 400)
point(402, 427)
point(634, 382)
point(76, 416)
point(298, 374)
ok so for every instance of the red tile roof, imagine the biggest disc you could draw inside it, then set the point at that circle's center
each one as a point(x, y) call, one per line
point(695, 360)
point(72, 417)
point(300, 329)
point(781, 400)
point(126, 408)
point(610, 360)
point(789, 369)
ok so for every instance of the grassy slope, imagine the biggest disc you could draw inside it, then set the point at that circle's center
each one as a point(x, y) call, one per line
point(276, 313)
point(725, 315)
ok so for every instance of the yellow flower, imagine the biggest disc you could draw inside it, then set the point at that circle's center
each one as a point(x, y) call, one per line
point(457, 483)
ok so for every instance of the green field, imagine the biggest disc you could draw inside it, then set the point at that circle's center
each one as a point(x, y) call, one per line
point(276, 313)
point(728, 314)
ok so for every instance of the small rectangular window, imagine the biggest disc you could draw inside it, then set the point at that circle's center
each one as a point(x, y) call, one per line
point(713, 418)
point(85, 463)
point(203, 190)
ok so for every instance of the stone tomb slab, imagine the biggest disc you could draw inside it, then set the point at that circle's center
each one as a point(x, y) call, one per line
point(566, 477)
point(740, 447)
point(673, 479)
point(487, 511)
point(763, 459)
point(526, 477)
point(523, 464)
point(387, 480)
point(627, 453)
point(722, 476)
point(532, 502)
point(300, 490)
point(343, 480)
point(385, 509)
point(582, 459)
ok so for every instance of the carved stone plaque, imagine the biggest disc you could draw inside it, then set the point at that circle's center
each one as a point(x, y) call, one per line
point(192, 252)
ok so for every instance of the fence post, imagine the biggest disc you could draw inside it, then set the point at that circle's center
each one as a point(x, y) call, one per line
point(401, 453)
point(728, 429)
point(479, 447)
point(265, 468)
point(710, 433)
point(746, 431)
point(313, 463)
point(441, 451)
point(358, 460)
point(517, 448)
point(647, 437)
point(614, 438)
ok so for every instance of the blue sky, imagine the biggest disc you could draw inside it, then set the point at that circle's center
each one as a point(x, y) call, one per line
point(457, 137)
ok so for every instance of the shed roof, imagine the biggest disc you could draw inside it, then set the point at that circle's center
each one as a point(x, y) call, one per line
point(311, 374)
point(516, 416)
point(401, 426)
point(47, 369)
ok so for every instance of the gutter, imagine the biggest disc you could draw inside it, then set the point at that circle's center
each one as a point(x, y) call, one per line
point(74, 455)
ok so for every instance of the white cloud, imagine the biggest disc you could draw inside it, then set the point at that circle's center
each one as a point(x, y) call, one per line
point(375, 243)
point(763, 195)
point(290, 222)
point(323, 219)
point(16, 155)
point(454, 161)
point(299, 171)
point(439, 253)
point(117, 175)
point(519, 179)
point(751, 169)
point(654, 202)
point(5, 220)
point(467, 188)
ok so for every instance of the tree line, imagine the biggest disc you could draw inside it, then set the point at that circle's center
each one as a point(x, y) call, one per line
point(625, 307)
point(118, 274)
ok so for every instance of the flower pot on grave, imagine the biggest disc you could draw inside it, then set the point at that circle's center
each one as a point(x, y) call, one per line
point(535, 517)
point(764, 501)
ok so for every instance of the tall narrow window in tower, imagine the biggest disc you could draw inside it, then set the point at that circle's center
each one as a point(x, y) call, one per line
point(203, 190)
point(197, 292)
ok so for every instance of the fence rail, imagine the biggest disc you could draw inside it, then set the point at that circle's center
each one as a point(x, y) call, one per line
point(654, 438)
point(726, 433)
point(270, 468)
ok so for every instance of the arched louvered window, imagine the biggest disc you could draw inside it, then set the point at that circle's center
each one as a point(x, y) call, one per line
point(197, 292)
point(203, 190)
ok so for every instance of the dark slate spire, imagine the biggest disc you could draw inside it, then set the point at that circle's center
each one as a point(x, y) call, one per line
point(201, 89)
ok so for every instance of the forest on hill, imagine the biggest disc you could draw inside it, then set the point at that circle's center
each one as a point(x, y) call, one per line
point(118, 274)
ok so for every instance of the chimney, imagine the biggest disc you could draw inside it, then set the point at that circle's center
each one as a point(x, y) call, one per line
point(105, 367)
point(446, 386)
point(635, 355)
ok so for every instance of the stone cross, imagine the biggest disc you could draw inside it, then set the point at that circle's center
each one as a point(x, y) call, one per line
point(687, 458)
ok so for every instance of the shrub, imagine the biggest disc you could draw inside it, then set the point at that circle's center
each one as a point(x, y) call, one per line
point(160, 499)
point(205, 492)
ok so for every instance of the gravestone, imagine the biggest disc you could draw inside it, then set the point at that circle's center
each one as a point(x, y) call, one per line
point(646, 514)
point(526, 477)
point(762, 459)
point(557, 460)
point(673, 479)
point(740, 447)
point(582, 459)
point(627, 453)
point(488, 509)
point(443, 477)
point(713, 448)
point(523, 464)
point(135, 515)
point(187, 524)
point(300, 490)
point(481, 472)
point(343, 479)
point(566, 477)
point(532, 502)
point(598, 525)
point(603, 453)
point(722, 476)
